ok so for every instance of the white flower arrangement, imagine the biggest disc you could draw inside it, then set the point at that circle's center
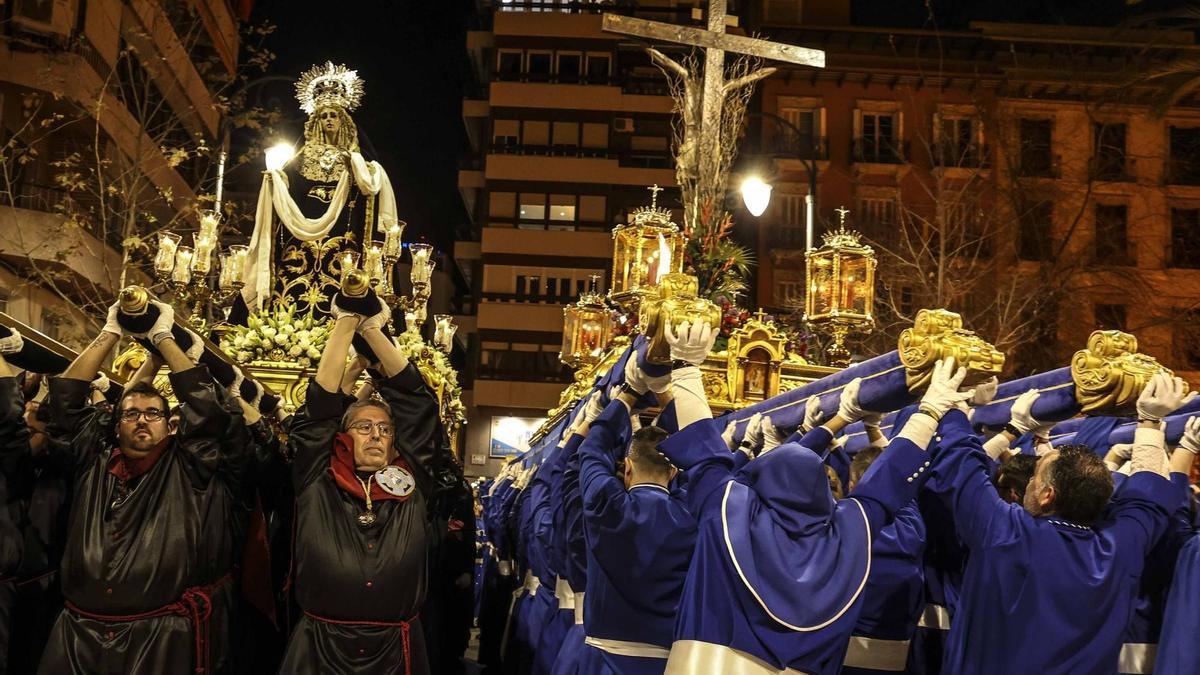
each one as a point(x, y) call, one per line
point(278, 336)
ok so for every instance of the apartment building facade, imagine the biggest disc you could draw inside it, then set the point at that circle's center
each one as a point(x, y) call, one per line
point(81, 62)
point(1067, 170)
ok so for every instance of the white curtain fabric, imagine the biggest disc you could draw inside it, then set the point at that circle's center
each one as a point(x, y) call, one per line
point(274, 199)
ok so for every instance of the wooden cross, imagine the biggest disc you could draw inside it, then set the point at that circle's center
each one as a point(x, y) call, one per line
point(715, 43)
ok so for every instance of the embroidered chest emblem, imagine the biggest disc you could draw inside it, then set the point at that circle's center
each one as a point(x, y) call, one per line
point(395, 481)
point(322, 193)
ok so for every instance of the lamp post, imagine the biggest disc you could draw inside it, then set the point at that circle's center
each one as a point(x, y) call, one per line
point(806, 147)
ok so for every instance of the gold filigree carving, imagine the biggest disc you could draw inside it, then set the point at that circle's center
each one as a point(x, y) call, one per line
point(1110, 374)
point(937, 334)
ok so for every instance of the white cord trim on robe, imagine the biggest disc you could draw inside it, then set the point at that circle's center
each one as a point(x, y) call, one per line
point(274, 198)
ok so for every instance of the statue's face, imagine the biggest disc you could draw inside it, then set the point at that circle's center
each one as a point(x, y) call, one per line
point(330, 120)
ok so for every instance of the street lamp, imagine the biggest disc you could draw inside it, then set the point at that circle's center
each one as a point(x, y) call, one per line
point(756, 194)
point(279, 155)
point(809, 160)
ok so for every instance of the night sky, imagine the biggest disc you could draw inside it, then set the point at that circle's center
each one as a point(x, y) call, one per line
point(411, 56)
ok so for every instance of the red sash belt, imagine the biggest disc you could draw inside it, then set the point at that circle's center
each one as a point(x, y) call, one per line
point(402, 625)
point(195, 604)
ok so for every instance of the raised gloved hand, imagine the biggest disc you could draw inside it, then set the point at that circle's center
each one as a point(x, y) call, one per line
point(1191, 436)
point(872, 419)
point(1162, 396)
point(592, 408)
point(771, 436)
point(378, 320)
point(12, 342)
point(848, 408)
point(1021, 414)
point(111, 324)
point(101, 383)
point(727, 435)
point(690, 342)
point(642, 376)
point(337, 312)
point(161, 330)
point(753, 438)
point(235, 387)
point(985, 392)
point(812, 413)
point(943, 393)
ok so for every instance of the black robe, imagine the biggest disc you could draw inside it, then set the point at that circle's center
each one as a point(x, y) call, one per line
point(14, 446)
point(175, 534)
point(361, 586)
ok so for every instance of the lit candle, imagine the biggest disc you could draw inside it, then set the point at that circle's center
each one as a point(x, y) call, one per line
point(183, 265)
point(223, 282)
point(209, 220)
point(410, 322)
point(422, 266)
point(373, 262)
point(349, 262)
point(237, 263)
point(392, 240)
point(164, 260)
point(202, 258)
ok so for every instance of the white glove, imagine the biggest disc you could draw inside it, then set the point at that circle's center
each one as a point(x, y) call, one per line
point(1118, 455)
point(754, 432)
point(13, 343)
point(592, 408)
point(259, 392)
point(771, 436)
point(101, 383)
point(943, 394)
point(872, 419)
point(337, 312)
point(235, 389)
point(635, 423)
point(812, 413)
point(193, 353)
point(848, 408)
point(161, 330)
point(985, 392)
point(1162, 396)
point(641, 382)
point(727, 435)
point(111, 325)
point(690, 343)
point(1021, 414)
point(378, 320)
point(1191, 436)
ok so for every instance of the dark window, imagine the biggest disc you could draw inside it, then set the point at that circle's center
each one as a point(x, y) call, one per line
point(878, 142)
point(1110, 317)
point(1035, 138)
point(1185, 238)
point(1184, 163)
point(957, 145)
point(521, 287)
point(569, 66)
point(510, 63)
point(1109, 160)
point(1112, 247)
point(1036, 236)
point(535, 288)
point(551, 287)
point(539, 63)
point(598, 67)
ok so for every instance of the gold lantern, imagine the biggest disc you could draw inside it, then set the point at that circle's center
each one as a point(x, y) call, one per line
point(841, 288)
point(645, 250)
point(586, 329)
point(676, 302)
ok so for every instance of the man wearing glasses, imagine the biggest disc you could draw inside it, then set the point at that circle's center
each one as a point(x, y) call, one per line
point(156, 517)
point(363, 479)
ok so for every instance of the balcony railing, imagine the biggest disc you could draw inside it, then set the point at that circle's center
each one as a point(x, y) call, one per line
point(532, 298)
point(789, 237)
point(627, 7)
point(523, 374)
point(629, 84)
point(887, 151)
point(1111, 168)
point(644, 159)
point(1040, 165)
point(791, 148)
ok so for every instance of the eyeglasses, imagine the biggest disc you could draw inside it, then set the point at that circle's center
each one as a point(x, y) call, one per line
point(364, 428)
point(151, 415)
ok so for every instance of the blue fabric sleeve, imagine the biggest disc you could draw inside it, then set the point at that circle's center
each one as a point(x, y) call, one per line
point(701, 452)
point(604, 496)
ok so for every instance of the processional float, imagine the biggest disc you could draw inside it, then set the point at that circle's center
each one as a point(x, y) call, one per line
point(258, 313)
point(1091, 399)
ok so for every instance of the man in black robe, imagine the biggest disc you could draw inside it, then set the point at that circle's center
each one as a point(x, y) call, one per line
point(364, 477)
point(156, 518)
point(14, 445)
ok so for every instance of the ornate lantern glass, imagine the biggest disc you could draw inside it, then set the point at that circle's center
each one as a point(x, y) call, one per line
point(586, 331)
point(649, 247)
point(841, 281)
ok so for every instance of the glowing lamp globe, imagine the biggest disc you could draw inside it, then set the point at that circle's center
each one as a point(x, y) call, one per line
point(756, 194)
point(278, 156)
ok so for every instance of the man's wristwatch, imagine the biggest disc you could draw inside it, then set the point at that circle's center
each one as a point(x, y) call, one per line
point(930, 412)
